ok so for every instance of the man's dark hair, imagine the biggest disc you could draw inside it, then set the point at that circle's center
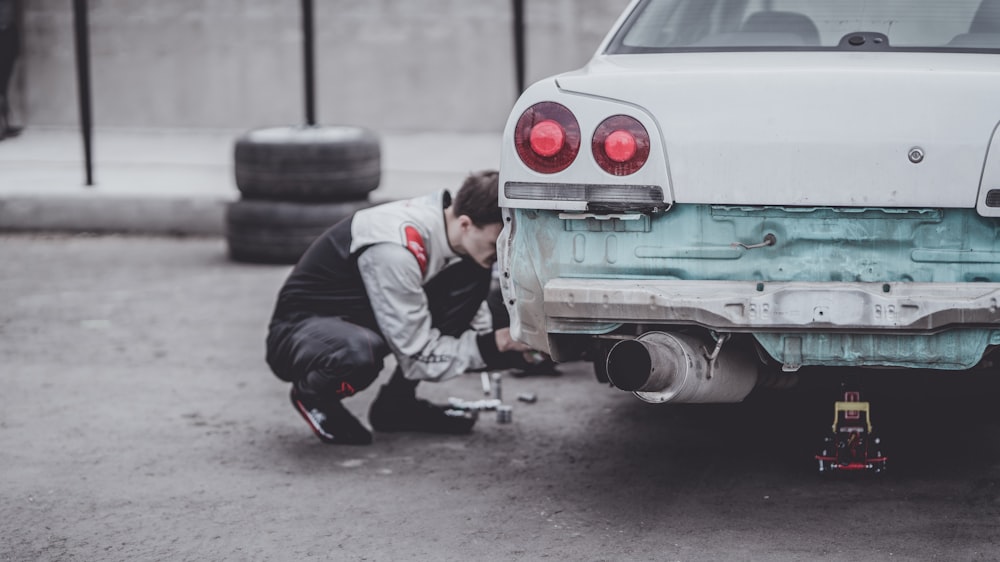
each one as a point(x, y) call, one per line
point(478, 199)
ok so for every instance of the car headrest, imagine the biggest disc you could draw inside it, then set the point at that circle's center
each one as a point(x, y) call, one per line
point(783, 22)
point(987, 19)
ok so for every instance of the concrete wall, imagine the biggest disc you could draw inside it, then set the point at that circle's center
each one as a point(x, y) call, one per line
point(392, 65)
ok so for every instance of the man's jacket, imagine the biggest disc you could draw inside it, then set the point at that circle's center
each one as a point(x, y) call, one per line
point(372, 269)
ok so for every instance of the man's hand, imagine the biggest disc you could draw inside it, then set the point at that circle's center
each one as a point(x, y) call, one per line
point(506, 343)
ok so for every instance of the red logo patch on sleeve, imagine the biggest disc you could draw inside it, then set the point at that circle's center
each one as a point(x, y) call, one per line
point(415, 244)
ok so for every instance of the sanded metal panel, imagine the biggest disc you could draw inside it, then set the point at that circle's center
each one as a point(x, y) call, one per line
point(729, 243)
point(764, 270)
point(749, 306)
point(952, 350)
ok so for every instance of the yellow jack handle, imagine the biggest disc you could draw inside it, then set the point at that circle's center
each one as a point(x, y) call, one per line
point(852, 407)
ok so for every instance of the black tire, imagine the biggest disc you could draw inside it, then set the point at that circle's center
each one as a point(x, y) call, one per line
point(279, 232)
point(321, 164)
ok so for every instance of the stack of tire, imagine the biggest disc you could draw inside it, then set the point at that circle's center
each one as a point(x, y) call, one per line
point(294, 183)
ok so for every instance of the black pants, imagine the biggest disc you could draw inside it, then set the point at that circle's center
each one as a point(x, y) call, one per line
point(331, 357)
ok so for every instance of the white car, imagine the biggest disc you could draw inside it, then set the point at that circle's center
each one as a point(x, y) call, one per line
point(736, 186)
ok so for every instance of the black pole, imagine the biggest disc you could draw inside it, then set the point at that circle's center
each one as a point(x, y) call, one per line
point(82, 35)
point(309, 60)
point(519, 44)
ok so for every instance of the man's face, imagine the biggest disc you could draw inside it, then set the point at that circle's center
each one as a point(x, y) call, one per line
point(480, 244)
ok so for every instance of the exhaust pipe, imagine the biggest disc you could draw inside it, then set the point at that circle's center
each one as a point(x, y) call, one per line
point(670, 367)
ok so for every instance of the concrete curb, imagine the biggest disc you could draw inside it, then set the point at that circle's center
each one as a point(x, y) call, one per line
point(179, 182)
point(131, 215)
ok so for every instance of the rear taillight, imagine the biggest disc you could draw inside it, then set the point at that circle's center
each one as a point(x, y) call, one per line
point(547, 137)
point(620, 145)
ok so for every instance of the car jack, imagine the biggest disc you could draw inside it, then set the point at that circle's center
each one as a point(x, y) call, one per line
point(852, 444)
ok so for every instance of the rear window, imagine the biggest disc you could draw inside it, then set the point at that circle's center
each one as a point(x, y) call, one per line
point(712, 25)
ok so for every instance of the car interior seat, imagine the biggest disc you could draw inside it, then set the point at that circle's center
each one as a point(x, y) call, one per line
point(987, 18)
point(790, 23)
point(984, 31)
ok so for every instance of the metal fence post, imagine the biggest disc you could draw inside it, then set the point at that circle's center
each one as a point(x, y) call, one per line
point(82, 35)
point(518, 30)
point(309, 61)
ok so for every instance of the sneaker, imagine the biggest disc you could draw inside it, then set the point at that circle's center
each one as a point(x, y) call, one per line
point(546, 368)
point(331, 421)
point(392, 413)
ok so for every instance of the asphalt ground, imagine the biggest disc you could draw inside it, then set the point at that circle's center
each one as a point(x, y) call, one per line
point(138, 421)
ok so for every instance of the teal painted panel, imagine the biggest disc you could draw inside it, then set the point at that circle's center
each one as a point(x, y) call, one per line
point(809, 244)
point(822, 244)
point(952, 350)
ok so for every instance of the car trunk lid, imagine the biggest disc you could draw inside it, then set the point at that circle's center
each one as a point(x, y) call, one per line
point(812, 128)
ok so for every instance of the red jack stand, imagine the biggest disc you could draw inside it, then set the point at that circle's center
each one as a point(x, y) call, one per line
point(852, 444)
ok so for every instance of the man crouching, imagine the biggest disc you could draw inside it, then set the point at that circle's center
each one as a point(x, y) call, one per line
point(408, 277)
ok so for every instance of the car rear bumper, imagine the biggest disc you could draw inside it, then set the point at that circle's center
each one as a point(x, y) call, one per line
point(749, 306)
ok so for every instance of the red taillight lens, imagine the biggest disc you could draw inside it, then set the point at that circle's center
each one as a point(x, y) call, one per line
point(620, 145)
point(547, 137)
